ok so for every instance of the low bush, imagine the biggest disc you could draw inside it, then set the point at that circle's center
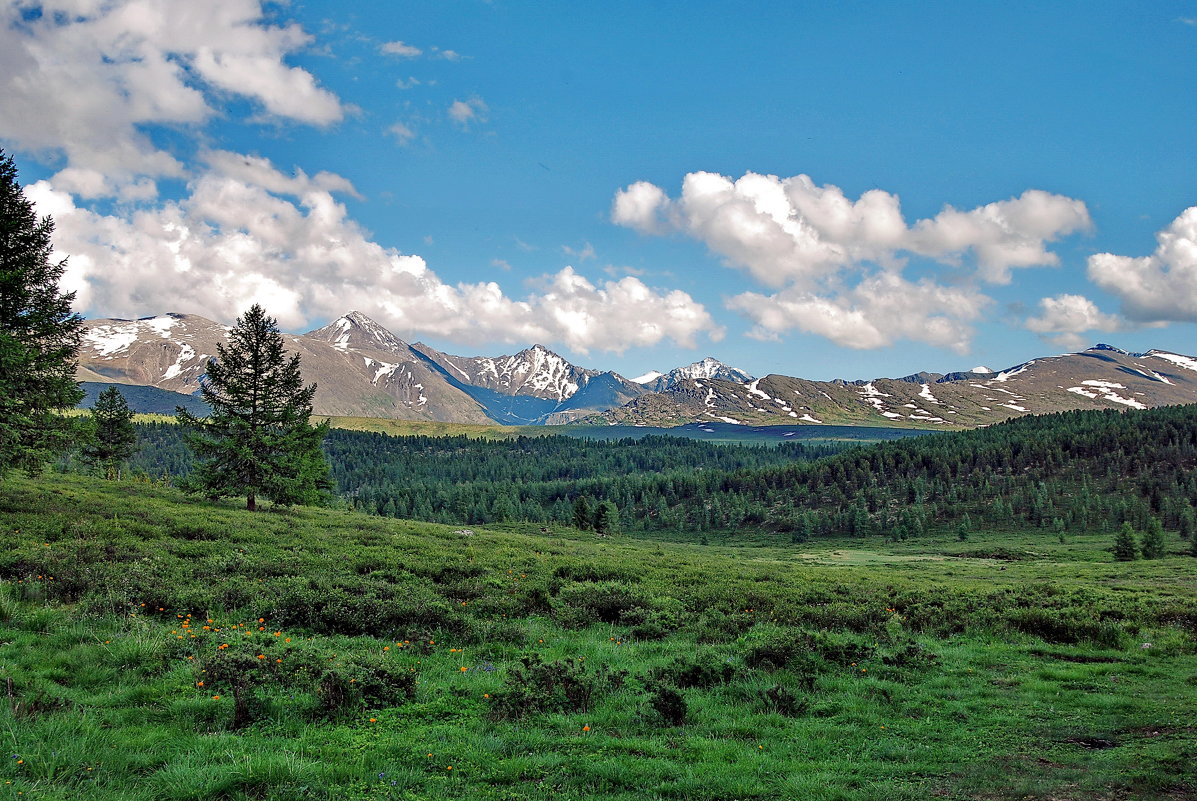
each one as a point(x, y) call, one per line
point(583, 603)
point(667, 704)
point(569, 686)
point(702, 671)
point(784, 702)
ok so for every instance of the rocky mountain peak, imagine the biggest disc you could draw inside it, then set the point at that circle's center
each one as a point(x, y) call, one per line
point(357, 331)
point(710, 368)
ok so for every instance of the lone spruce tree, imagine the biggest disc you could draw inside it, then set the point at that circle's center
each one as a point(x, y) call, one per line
point(1125, 547)
point(257, 440)
point(114, 440)
point(1152, 543)
point(39, 335)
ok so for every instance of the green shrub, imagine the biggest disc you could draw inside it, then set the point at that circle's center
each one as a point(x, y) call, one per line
point(358, 682)
point(701, 672)
point(784, 702)
point(771, 647)
point(663, 617)
point(715, 625)
point(582, 604)
point(568, 686)
point(668, 704)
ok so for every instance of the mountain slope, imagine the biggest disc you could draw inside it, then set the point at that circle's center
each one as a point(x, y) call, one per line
point(1099, 378)
point(702, 369)
point(363, 370)
point(532, 386)
point(359, 368)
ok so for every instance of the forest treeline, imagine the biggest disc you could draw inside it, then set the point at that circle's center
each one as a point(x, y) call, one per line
point(1084, 470)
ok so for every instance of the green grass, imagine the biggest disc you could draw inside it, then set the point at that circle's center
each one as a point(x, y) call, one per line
point(1011, 666)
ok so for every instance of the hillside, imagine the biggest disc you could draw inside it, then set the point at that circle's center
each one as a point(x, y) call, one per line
point(1101, 377)
point(363, 370)
point(164, 647)
point(1071, 471)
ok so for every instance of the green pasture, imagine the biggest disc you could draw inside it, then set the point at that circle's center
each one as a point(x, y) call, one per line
point(368, 656)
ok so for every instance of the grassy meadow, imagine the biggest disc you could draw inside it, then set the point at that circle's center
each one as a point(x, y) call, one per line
point(156, 646)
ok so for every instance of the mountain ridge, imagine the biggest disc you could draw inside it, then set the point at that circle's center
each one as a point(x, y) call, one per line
point(363, 369)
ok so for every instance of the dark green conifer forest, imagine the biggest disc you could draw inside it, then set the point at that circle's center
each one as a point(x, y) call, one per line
point(1074, 471)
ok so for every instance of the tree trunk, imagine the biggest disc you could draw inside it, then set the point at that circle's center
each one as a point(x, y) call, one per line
point(251, 502)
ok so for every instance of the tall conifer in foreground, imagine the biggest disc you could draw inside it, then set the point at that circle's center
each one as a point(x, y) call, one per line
point(39, 334)
point(257, 439)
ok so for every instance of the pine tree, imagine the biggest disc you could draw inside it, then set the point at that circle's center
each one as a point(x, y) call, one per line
point(114, 440)
point(1186, 524)
point(1125, 548)
point(582, 513)
point(1152, 544)
point(257, 439)
point(39, 335)
point(606, 518)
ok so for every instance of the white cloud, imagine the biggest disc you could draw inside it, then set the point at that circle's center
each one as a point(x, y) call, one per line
point(401, 49)
point(583, 253)
point(402, 133)
point(464, 112)
point(1002, 235)
point(1158, 288)
point(1064, 318)
point(642, 206)
point(250, 233)
point(838, 262)
point(791, 231)
point(878, 312)
point(86, 78)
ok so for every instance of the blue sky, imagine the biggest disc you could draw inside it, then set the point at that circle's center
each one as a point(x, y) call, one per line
point(826, 190)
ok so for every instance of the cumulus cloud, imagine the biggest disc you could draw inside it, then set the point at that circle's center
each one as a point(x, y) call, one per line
point(792, 231)
point(838, 262)
point(1158, 288)
point(877, 312)
point(401, 49)
point(464, 112)
point(1064, 318)
point(248, 233)
point(84, 78)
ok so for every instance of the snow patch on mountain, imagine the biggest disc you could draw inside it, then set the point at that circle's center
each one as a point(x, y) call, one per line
point(752, 388)
point(1186, 362)
point(1008, 374)
point(115, 338)
point(186, 354)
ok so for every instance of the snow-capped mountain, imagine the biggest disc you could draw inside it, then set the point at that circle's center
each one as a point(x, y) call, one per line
point(707, 368)
point(361, 369)
point(1102, 377)
point(533, 386)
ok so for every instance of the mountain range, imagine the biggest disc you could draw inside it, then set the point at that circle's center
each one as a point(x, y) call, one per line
point(363, 370)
